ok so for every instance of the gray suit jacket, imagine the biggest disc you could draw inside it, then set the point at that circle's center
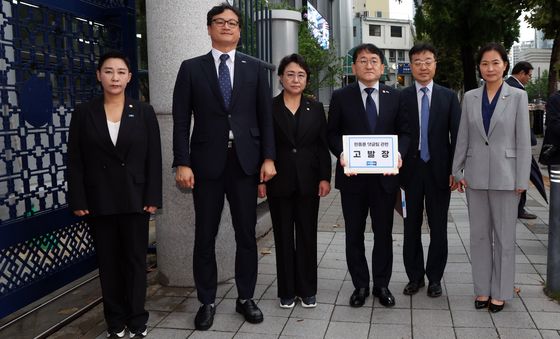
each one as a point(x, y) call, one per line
point(500, 160)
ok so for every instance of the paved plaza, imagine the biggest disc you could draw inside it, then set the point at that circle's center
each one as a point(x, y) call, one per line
point(530, 315)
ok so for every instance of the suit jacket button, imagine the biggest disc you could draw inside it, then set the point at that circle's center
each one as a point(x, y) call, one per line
point(229, 116)
point(294, 150)
point(486, 143)
point(122, 164)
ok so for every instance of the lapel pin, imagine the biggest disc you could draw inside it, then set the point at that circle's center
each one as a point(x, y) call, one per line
point(243, 61)
point(131, 115)
point(384, 91)
point(308, 108)
point(130, 105)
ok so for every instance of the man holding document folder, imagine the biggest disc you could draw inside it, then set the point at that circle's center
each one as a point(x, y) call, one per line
point(363, 108)
point(434, 114)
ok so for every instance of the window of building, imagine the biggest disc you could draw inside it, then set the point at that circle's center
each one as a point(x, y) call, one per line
point(378, 14)
point(374, 30)
point(354, 31)
point(396, 31)
point(400, 55)
point(392, 55)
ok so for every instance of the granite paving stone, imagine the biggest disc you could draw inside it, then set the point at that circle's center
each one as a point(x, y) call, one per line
point(472, 319)
point(436, 318)
point(547, 320)
point(337, 330)
point(381, 331)
point(352, 314)
point(167, 333)
point(270, 325)
point(391, 316)
point(513, 320)
point(476, 333)
point(308, 328)
point(431, 332)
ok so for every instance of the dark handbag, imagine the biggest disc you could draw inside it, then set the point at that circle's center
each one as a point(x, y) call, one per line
point(548, 153)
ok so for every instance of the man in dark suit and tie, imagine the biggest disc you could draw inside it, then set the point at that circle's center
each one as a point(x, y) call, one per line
point(521, 74)
point(367, 107)
point(228, 94)
point(434, 115)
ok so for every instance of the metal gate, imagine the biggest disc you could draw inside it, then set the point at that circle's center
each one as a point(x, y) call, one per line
point(48, 55)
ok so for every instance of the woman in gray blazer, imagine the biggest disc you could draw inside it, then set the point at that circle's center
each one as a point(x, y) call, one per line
point(492, 162)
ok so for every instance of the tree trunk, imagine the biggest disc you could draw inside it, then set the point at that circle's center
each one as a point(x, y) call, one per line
point(554, 67)
point(469, 67)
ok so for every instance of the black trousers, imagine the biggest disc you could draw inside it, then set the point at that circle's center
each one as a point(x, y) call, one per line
point(423, 189)
point(241, 192)
point(522, 201)
point(379, 204)
point(121, 243)
point(294, 221)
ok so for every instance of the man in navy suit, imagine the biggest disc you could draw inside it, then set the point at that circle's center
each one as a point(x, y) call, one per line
point(434, 115)
point(521, 74)
point(228, 94)
point(367, 107)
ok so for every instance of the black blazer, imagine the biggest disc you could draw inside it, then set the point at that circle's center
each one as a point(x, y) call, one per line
point(107, 179)
point(303, 161)
point(249, 116)
point(445, 116)
point(552, 134)
point(514, 83)
point(347, 116)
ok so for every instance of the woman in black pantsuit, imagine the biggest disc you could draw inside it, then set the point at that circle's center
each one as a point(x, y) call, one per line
point(114, 181)
point(303, 166)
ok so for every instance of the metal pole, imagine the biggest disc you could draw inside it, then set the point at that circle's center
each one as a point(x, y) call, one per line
point(552, 288)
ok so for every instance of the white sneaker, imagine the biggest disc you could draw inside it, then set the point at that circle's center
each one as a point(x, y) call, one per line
point(309, 302)
point(287, 303)
point(141, 334)
point(117, 334)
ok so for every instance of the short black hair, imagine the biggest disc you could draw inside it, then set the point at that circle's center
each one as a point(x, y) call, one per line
point(219, 9)
point(370, 48)
point(492, 46)
point(295, 58)
point(522, 66)
point(113, 55)
point(422, 47)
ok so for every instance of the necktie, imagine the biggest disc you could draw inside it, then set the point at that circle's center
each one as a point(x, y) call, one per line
point(425, 118)
point(224, 79)
point(371, 110)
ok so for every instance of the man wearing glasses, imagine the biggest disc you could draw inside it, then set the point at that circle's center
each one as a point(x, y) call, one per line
point(434, 115)
point(367, 107)
point(230, 151)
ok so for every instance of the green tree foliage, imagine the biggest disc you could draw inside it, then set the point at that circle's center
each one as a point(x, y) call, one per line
point(545, 16)
point(325, 65)
point(538, 88)
point(460, 27)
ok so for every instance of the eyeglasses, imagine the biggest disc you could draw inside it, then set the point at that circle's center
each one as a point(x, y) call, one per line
point(222, 22)
point(428, 63)
point(365, 62)
point(293, 76)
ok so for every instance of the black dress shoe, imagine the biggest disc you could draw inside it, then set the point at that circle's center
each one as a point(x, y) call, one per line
point(204, 317)
point(480, 304)
point(413, 286)
point(250, 311)
point(434, 289)
point(526, 215)
point(494, 308)
point(385, 296)
point(358, 298)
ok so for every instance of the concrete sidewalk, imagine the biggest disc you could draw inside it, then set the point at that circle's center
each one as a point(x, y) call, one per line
point(530, 315)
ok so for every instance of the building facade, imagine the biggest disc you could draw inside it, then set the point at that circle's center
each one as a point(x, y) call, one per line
point(395, 37)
